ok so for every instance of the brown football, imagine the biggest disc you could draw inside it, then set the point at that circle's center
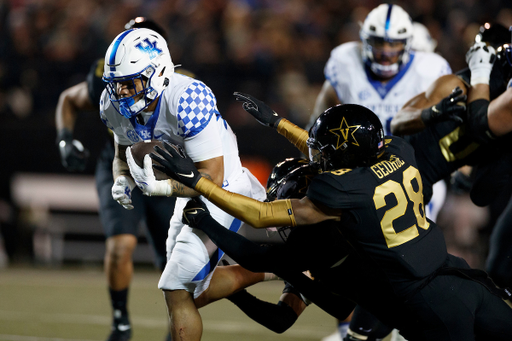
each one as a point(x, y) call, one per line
point(140, 149)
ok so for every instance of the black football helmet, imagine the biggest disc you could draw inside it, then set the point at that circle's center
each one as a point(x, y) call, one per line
point(296, 183)
point(493, 34)
point(345, 136)
point(279, 172)
point(143, 22)
point(294, 186)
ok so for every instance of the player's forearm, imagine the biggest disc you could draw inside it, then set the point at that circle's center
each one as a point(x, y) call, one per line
point(297, 136)
point(180, 190)
point(407, 121)
point(335, 305)
point(65, 114)
point(479, 91)
point(276, 317)
point(120, 167)
point(256, 213)
point(72, 100)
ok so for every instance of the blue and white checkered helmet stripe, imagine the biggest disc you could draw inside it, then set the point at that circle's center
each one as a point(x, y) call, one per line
point(112, 58)
point(196, 107)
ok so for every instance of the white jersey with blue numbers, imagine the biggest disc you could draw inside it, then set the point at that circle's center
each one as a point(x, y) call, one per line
point(186, 109)
point(346, 72)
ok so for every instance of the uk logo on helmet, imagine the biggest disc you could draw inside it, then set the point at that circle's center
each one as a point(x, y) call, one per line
point(149, 47)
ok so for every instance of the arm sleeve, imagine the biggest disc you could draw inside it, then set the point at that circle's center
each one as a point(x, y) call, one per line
point(278, 260)
point(333, 304)
point(251, 256)
point(297, 136)
point(276, 317)
point(255, 213)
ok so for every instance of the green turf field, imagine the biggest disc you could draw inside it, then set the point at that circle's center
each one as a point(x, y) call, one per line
point(71, 304)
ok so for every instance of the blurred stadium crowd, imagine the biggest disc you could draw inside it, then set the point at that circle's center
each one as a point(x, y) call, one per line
point(273, 49)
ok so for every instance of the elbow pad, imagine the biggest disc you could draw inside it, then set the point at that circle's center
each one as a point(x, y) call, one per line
point(478, 125)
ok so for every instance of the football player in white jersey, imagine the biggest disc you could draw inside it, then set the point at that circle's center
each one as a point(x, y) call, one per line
point(382, 72)
point(144, 99)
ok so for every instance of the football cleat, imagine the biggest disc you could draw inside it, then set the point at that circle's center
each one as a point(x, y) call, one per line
point(121, 331)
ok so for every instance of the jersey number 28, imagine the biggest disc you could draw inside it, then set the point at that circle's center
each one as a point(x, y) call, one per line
point(404, 193)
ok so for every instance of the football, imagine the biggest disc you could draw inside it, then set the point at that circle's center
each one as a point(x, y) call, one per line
point(140, 149)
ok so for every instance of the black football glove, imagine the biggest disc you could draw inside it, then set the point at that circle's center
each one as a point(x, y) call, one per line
point(261, 112)
point(174, 162)
point(73, 155)
point(194, 212)
point(452, 107)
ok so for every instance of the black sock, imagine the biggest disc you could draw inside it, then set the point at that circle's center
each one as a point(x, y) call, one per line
point(119, 300)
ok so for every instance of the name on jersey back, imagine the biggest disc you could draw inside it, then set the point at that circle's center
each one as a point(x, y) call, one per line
point(384, 168)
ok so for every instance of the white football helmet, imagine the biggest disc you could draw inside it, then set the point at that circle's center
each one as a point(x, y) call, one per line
point(138, 53)
point(390, 24)
point(421, 38)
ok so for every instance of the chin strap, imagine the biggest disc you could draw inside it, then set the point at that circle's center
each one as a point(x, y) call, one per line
point(256, 213)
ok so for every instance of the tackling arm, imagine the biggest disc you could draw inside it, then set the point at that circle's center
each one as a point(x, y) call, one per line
point(297, 136)
point(408, 120)
point(278, 259)
point(289, 212)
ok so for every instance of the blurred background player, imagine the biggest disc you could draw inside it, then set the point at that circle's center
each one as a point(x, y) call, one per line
point(121, 226)
point(421, 39)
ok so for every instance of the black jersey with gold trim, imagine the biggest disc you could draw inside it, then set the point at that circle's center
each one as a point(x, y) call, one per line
point(384, 215)
point(441, 149)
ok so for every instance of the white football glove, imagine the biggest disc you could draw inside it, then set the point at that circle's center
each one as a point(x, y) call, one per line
point(145, 177)
point(480, 59)
point(122, 191)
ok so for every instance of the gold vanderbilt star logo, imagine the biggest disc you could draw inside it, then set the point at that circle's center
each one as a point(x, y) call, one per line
point(344, 133)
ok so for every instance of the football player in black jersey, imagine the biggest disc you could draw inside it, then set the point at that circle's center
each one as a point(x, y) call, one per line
point(121, 226)
point(480, 142)
point(371, 189)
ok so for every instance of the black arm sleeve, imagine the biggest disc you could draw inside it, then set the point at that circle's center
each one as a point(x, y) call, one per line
point(278, 260)
point(253, 257)
point(276, 317)
point(477, 124)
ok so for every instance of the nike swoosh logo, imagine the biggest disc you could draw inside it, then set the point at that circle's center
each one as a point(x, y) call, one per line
point(191, 175)
point(156, 137)
point(123, 327)
point(192, 212)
